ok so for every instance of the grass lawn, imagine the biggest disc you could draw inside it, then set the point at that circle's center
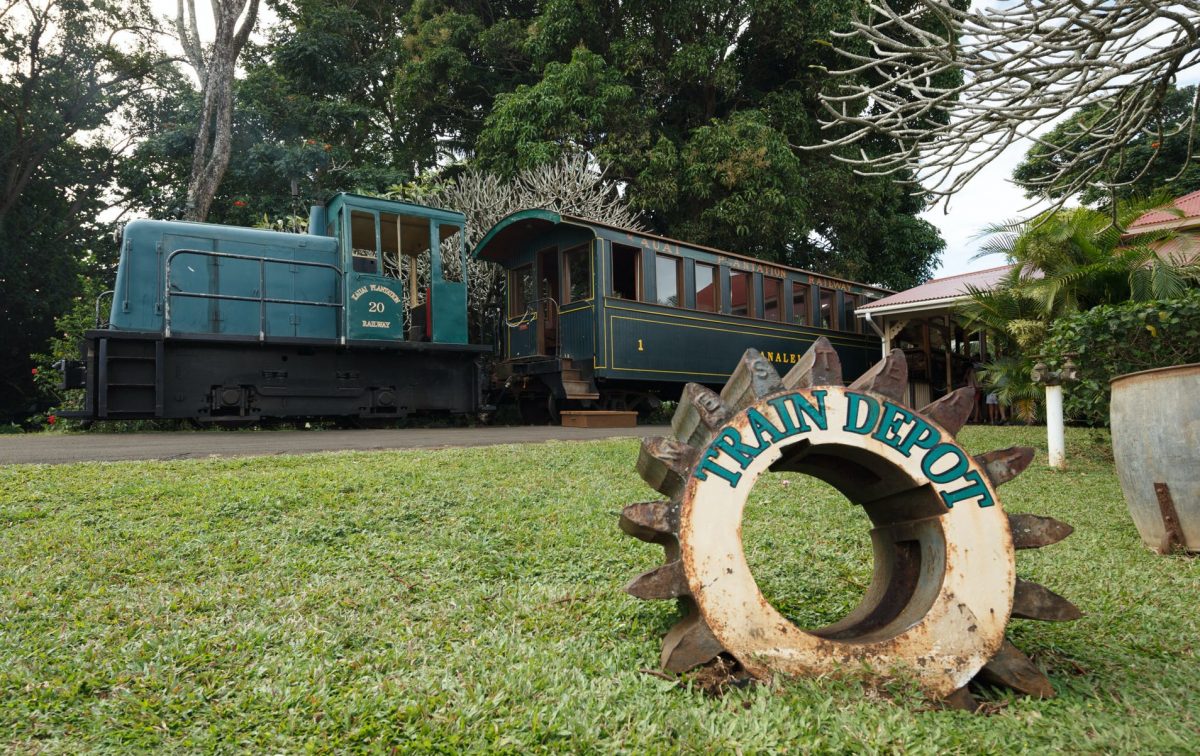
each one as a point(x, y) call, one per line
point(472, 598)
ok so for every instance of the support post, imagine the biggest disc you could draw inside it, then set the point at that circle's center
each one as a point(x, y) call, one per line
point(1054, 427)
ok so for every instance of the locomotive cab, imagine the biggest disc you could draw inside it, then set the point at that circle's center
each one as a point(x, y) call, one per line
point(404, 268)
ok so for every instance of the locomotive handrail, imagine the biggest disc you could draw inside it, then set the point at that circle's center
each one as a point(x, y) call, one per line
point(262, 299)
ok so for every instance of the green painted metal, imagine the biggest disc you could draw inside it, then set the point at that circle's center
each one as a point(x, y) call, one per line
point(192, 279)
point(483, 249)
point(645, 342)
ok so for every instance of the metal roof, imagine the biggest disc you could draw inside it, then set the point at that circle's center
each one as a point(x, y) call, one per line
point(1186, 212)
point(948, 288)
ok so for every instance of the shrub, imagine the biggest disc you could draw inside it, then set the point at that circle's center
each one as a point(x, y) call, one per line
point(1112, 340)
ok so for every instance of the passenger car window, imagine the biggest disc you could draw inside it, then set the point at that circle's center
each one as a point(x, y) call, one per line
point(577, 262)
point(708, 294)
point(667, 273)
point(521, 290)
point(800, 309)
point(827, 299)
point(626, 272)
point(850, 303)
point(741, 297)
point(772, 298)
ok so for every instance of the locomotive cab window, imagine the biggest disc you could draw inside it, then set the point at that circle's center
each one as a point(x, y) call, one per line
point(626, 272)
point(800, 308)
point(577, 264)
point(741, 294)
point(364, 249)
point(772, 298)
point(708, 294)
point(827, 298)
point(667, 272)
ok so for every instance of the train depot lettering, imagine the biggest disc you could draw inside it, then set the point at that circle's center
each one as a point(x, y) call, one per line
point(942, 461)
point(377, 324)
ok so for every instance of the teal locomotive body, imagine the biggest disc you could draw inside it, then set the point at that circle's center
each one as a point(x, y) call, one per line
point(364, 317)
point(599, 316)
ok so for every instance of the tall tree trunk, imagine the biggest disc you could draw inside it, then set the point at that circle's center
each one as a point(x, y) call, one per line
point(216, 68)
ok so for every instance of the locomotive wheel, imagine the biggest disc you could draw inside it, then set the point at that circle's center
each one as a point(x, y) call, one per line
point(944, 584)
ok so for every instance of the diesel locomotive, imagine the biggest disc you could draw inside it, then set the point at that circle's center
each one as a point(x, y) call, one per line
point(363, 317)
point(605, 317)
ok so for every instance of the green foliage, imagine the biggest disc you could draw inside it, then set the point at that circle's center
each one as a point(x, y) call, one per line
point(471, 600)
point(1112, 340)
point(581, 105)
point(71, 71)
point(1173, 168)
point(699, 108)
point(1064, 262)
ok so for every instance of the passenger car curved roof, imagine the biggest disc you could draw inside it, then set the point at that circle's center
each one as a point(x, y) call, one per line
point(523, 224)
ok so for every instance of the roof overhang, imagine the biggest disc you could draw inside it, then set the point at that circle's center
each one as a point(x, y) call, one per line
point(511, 232)
point(912, 307)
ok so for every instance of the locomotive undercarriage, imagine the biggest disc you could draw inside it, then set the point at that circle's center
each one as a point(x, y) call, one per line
point(130, 376)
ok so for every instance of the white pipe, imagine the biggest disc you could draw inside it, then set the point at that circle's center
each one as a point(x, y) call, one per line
point(1054, 427)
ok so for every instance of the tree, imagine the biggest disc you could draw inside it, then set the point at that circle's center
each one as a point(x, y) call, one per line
point(696, 108)
point(1024, 65)
point(1146, 164)
point(215, 66)
point(72, 69)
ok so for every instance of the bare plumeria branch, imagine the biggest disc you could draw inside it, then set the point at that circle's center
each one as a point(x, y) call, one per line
point(1024, 64)
point(571, 187)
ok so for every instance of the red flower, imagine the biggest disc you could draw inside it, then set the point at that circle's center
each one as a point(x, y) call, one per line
point(239, 203)
point(52, 419)
point(33, 372)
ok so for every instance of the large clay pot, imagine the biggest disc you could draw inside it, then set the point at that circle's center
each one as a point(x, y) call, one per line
point(1155, 417)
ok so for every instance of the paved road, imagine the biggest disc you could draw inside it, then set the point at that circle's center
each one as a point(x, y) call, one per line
point(53, 448)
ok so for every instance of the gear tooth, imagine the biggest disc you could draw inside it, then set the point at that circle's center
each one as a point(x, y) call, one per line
point(953, 410)
point(664, 582)
point(1037, 602)
point(754, 378)
point(1002, 465)
point(688, 644)
point(1013, 669)
point(651, 521)
point(665, 464)
point(888, 377)
point(1034, 532)
point(699, 414)
point(820, 366)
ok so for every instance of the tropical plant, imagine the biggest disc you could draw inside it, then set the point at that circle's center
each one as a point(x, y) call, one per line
point(1065, 262)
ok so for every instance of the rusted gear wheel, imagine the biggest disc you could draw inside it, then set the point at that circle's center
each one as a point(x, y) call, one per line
point(944, 584)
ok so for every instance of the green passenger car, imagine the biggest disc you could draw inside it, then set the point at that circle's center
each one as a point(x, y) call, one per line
point(599, 316)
